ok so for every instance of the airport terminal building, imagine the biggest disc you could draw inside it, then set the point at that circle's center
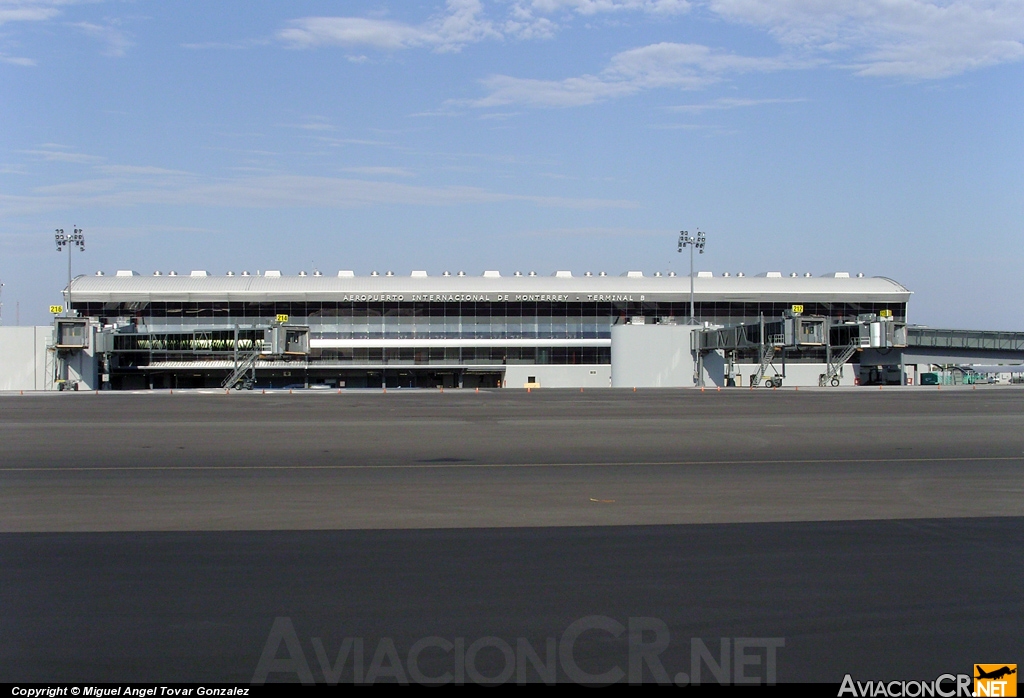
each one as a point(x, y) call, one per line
point(452, 330)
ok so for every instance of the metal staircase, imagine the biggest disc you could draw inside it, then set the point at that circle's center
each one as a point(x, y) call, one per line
point(766, 359)
point(831, 376)
point(236, 378)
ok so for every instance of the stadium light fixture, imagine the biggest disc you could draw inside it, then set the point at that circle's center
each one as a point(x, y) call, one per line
point(74, 239)
point(693, 242)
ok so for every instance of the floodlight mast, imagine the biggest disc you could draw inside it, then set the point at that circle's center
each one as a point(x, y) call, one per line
point(687, 240)
point(75, 239)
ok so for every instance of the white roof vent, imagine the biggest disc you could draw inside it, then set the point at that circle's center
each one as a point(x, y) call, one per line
point(492, 274)
point(100, 273)
point(170, 273)
point(657, 273)
point(807, 275)
point(563, 274)
point(272, 272)
point(705, 274)
point(860, 275)
point(158, 273)
point(462, 273)
point(447, 273)
point(533, 273)
point(603, 273)
point(725, 273)
point(126, 272)
point(418, 274)
point(245, 273)
point(198, 273)
point(518, 273)
point(346, 274)
point(739, 273)
point(588, 273)
point(317, 272)
point(792, 274)
point(374, 273)
point(303, 273)
point(672, 273)
point(634, 274)
point(390, 273)
point(231, 273)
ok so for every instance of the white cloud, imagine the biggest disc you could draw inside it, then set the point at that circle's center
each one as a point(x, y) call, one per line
point(570, 92)
point(269, 191)
point(383, 171)
point(528, 19)
point(143, 170)
point(729, 103)
point(26, 11)
point(909, 38)
point(310, 32)
point(461, 25)
point(593, 7)
point(225, 45)
point(53, 152)
point(116, 43)
point(462, 22)
point(81, 188)
point(679, 66)
point(596, 232)
point(16, 60)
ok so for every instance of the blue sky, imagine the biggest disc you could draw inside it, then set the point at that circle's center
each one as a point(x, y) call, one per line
point(880, 136)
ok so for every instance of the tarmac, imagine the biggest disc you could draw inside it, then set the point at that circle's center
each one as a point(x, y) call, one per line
point(162, 537)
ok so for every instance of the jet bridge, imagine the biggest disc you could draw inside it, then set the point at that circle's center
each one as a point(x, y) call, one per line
point(766, 337)
point(279, 340)
point(797, 330)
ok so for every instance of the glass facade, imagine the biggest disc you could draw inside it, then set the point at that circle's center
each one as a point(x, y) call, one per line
point(417, 343)
point(493, 320)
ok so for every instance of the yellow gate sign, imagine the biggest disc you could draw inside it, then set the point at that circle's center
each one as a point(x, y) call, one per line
point(885, 313)
point(56, 309)
point(282, 318)
point(798, 309)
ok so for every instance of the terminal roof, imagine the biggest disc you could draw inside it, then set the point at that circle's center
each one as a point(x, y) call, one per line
point(267, 288)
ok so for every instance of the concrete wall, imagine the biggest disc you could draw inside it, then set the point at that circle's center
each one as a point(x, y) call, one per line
point(82, 366)
point(652, 356)
point(559, 376)
point(26, 363)
point(23, 358)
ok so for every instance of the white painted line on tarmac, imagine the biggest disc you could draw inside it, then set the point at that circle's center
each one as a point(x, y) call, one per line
point(438, 466)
